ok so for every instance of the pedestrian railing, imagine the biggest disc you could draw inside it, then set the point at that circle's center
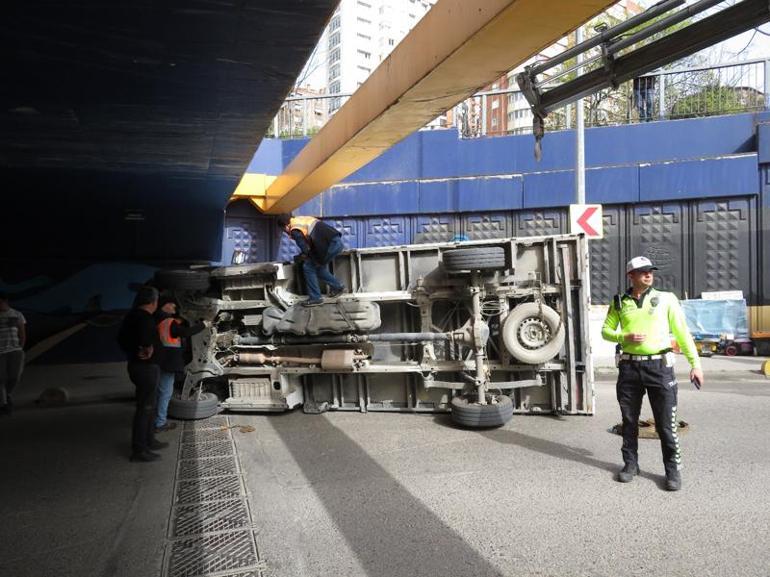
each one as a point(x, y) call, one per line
point(666, 94)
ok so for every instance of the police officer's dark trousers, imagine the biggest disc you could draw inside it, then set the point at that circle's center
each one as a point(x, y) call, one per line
point(658, 380)
point(145, 377)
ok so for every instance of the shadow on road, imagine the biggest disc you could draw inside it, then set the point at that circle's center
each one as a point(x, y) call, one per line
point(391, 532)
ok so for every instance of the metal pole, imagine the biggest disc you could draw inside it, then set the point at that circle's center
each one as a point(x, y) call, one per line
point(580, 152)
point(767, 84)
point(661, 96)
point(483, 130)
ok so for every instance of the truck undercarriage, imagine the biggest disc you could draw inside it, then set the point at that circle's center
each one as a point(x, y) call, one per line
point(483, 329)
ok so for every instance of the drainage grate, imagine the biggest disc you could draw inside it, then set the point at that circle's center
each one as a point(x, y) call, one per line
point(209, 517)
point(211, 423)
point(210, 525)
point(204, 450)
point(209, 489)
point(214, 467)
point(205, 435)
point(208, 554)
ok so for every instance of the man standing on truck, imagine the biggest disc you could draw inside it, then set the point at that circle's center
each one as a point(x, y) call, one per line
point(641, 321)
point(318, 243)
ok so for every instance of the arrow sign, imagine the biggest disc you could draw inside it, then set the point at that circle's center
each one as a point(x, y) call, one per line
point(586, 218)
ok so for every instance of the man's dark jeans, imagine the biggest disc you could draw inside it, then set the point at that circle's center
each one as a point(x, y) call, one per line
point(11, 366)
point(145, 377)
point(314, 270)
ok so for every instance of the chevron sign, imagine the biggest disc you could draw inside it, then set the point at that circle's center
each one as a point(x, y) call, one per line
point(586, 218)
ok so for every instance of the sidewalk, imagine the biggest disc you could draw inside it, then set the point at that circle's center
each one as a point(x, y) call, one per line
point(72, 503)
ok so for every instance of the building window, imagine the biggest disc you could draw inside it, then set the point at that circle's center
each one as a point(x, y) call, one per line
point(363, 20)
point(365, 69)
point(334, 39)
point(334, 87)
point(391, 42)
point(364, 54)
point(495, 104)
point(363, 36)
point(494, 122)
point(334, 24)
point(364, 4)
point(334, 55)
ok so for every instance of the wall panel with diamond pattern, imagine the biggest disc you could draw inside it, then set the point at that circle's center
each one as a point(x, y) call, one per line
point(658, 232)
point(699, 245)
point(487, 226)
point(723, 255)
point(608, 256)
point(386, 231)
point(541, 222)
point(435, 228)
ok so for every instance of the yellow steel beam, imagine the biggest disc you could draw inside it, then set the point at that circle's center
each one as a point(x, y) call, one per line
point(457, 48)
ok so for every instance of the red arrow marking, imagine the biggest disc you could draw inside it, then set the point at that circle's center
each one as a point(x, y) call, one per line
point(583, 221)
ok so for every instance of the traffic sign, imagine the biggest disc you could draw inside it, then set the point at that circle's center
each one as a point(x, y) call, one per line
point(586, 218)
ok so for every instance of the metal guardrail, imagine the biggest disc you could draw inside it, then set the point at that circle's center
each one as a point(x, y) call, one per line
point(688, 92)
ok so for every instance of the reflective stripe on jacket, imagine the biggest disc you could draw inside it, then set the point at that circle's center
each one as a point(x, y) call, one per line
point(164, 330)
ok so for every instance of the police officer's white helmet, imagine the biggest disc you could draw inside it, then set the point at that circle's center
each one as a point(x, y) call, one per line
point(640, 263)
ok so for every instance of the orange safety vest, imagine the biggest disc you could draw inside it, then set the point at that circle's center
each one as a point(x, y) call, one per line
point(164, 329)
point(304, 224)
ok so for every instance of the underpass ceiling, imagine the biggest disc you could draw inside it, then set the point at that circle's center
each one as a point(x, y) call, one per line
point(166, 87)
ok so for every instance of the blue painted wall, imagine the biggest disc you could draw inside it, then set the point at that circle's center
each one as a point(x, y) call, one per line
point(692, 193)
point(436, 172)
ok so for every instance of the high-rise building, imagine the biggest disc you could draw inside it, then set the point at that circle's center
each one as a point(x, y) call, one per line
point(360, 35)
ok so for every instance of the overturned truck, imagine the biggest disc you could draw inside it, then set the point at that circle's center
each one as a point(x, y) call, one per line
point(483, 329)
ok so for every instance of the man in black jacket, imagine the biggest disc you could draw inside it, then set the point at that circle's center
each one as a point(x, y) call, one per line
point(170, 355)
point(138, 337)
point(318, 243)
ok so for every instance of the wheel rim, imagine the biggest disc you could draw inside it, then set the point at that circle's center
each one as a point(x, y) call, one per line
point(534, 333)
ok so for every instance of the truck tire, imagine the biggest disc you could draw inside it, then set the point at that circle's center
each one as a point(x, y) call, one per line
point(190, 409)
point(530, 337)
point(182, 279)
point(480, 258)
point(467, 413)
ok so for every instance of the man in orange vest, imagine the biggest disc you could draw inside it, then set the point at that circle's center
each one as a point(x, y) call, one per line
point(318, 243)
point(170, 356)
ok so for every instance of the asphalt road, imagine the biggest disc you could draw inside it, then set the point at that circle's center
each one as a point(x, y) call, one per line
point(382, 494)
point(406, 495)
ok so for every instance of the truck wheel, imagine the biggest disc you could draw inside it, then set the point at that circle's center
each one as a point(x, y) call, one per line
point(531, 336)
point(199, 408)
point(480, 258)
point(182, 279)
point(467, 413)
point(731, 350)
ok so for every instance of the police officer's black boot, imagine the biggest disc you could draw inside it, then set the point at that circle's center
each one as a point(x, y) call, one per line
point(673, 480)
point(627, 474)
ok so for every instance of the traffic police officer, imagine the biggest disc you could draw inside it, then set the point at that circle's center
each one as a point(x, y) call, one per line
point(641, 321)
